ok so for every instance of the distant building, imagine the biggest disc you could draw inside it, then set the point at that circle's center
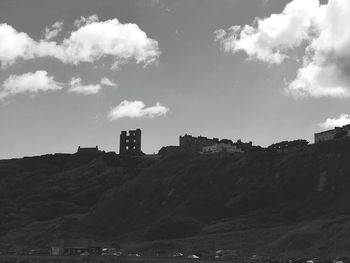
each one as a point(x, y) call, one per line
point(189, 143)
point(77, 246)
point(88, 150)
point(337, 132)
point(221, 148)
point(244, 146)
point(130, 144)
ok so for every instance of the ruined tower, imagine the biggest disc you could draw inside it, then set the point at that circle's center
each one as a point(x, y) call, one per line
point(130, 144)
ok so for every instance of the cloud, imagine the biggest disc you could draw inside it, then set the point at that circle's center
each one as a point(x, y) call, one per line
point(52, 32)
point(318, 29)
point(219, 34)
point(330, 123)
point(110, 38)
point(14, 45)
point(318, 81)
point(269, 38)
point(107, 82)
point(76, 86)
point(85, 20)
point(32, 83)
point(136, 109)
point(91, 41)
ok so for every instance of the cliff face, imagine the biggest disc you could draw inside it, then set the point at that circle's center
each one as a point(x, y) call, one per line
point(264, 202)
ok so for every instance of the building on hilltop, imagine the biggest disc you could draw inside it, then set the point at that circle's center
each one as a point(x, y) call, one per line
point(244, 146)
point(189, 143)
point(221, 148)
point(88, 150)
point(336, 133)
point(130, 144)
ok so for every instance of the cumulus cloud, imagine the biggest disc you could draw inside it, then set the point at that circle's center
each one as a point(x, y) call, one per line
point(319, 28)
point(136, 109)
point(76, 86)
point(85, 20)
point(14, 45)
point(91, 41)
point(107, 82)
point(219, 35)
point(32, 83)
point(55, 29)
point(330, 123)
point(269, 38)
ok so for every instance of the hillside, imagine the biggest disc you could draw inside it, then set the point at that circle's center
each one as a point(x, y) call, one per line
point(261, 202)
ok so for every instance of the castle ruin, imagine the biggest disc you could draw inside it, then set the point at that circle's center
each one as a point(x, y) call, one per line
point(130, 144)
point(189, 143)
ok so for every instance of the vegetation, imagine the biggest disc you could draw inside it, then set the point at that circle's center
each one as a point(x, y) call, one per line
point(260, 201)
point(287, 145)
point(173, 227)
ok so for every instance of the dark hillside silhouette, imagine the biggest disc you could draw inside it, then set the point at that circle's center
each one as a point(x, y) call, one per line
point(281, 196)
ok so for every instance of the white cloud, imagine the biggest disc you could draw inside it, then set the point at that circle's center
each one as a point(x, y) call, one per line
point(32, 83)
point(322, 29)
point(85, 20)
point(52, 32)
point(40, 81)
point(107, 82)
point(269, 38)
point(318, 81)
point(14, 45)
point(110, 38)
point(91, 41)
point(219, 34)
point(136, 109)
point(330, 123)
point(76, 86)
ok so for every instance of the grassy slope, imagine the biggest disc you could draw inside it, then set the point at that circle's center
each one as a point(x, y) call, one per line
point(289, 203)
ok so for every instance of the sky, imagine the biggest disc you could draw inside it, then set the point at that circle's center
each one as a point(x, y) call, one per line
point(77, 73)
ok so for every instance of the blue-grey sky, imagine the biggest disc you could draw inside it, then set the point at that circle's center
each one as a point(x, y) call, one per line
point(173, 67)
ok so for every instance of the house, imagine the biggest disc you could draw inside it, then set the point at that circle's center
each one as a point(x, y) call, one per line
point(193, 144)
point(221, 148)
point(77, 246)
point(336, 133)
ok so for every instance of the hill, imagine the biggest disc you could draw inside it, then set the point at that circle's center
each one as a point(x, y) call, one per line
point(263, 202)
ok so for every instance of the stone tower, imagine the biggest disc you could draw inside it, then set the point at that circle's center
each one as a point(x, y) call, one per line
point(130, 144)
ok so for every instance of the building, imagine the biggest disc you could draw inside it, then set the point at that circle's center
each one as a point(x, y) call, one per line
point(244, 146)
point(189, 143)
point(88, 150)
point(130, 144)
point(77, 246)
point(221, 148)
point(336, 133)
